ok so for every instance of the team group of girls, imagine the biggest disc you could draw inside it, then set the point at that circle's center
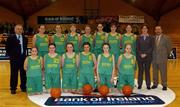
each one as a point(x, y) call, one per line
point(73, 60)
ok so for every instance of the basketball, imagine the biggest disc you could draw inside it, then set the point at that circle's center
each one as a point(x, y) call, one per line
point(87, 89)
point(55, 92)
point(103, 90)
point(127, 90)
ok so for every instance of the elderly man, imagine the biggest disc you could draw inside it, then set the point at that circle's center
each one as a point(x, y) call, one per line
point(16, 47)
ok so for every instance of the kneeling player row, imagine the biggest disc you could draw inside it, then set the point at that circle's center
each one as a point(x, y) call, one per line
point(76, 70)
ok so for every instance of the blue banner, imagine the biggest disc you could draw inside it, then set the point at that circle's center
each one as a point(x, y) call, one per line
point(109, 100)
point(62, 19)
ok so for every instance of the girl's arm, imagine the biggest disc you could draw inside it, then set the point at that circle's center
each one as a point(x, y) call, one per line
point(113, 72)
point(95, 65)
point(26, 64)
point(34, 40)
point(62, 60)
point(78, 59)
point(97, 70)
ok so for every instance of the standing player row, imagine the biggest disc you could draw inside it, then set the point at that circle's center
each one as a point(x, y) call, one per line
point(116, 40)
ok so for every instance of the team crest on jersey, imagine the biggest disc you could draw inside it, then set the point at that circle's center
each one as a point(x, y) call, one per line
point(110, 59)
point(56, 60)
point(46, 39)
point(102, 37)
point(91, 39)
point(128, 42)
point(90, 57)
point(61, 39)
point(132, 61)
point(39, 61)
point(73, 60)
point(117, 37)
point(76, 38)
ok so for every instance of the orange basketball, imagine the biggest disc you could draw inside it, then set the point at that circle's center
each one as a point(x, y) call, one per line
point(55, 92)
point(87, 89)
point(127, 90)
point(103, 90)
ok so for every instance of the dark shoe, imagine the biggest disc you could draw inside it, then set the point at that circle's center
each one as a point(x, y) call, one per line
point(153, 87)
point(23, 90)
point(148, 88)
point(13, 91)
point(139, 87)
point(95, 90)
point(164, 88)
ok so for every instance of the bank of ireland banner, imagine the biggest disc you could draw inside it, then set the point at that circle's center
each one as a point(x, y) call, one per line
point(109, 100)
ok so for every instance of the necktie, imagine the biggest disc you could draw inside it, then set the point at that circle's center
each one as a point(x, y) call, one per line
point(20, 42)
point(157, 40)
point(144, 37)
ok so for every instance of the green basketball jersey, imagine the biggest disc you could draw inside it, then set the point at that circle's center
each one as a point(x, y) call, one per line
point(99, 40)
point(69, 64)
point(60, 43)
point(114, 42)
point(52, 65)
point(87, 39)
point(74, 40)
point(127, 65)
point(34, 67)
point(131, 40)
point(105, 65)
point(42, 43)
point(86, 63)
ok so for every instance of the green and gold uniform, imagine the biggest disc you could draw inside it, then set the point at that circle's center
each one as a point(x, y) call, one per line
point(86, 70)
point(34, 75)
point(105, 69)
point(42, 44)
point(100, 38)
point(60, 43)
point(52, 71)
point(126, 71)
point(89, 39)
point(74, 40)
point(69, 73)
point(114, 42)
point(131, 39)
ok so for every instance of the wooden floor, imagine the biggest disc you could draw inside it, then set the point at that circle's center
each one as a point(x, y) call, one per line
point(21, 100)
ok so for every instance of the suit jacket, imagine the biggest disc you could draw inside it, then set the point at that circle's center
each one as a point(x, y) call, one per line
point(161, 52)
point(144, 47)
point(13, 47)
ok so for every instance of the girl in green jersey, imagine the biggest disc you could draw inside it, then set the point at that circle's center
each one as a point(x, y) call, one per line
point(87, 37)
point(52, 62)
point(41, 41)
point(128, 38)
point(106, 67)
point(87, 65)
point(74, 38)
point(69, 69)
point(100, 38)
point(114, 41)
point(126, 66)
point(33, 66)
point(59, 39)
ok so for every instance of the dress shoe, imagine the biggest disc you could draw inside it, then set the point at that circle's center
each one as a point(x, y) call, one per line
point(23, 90)
point(164, 88)
point(13, 92)
point(95, 90)
point(154, 87)
point(148, 88)
point(139, 87)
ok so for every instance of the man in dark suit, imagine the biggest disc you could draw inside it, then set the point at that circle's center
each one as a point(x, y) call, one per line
point(144, 46)
point(16, 47)
point(161, 51)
